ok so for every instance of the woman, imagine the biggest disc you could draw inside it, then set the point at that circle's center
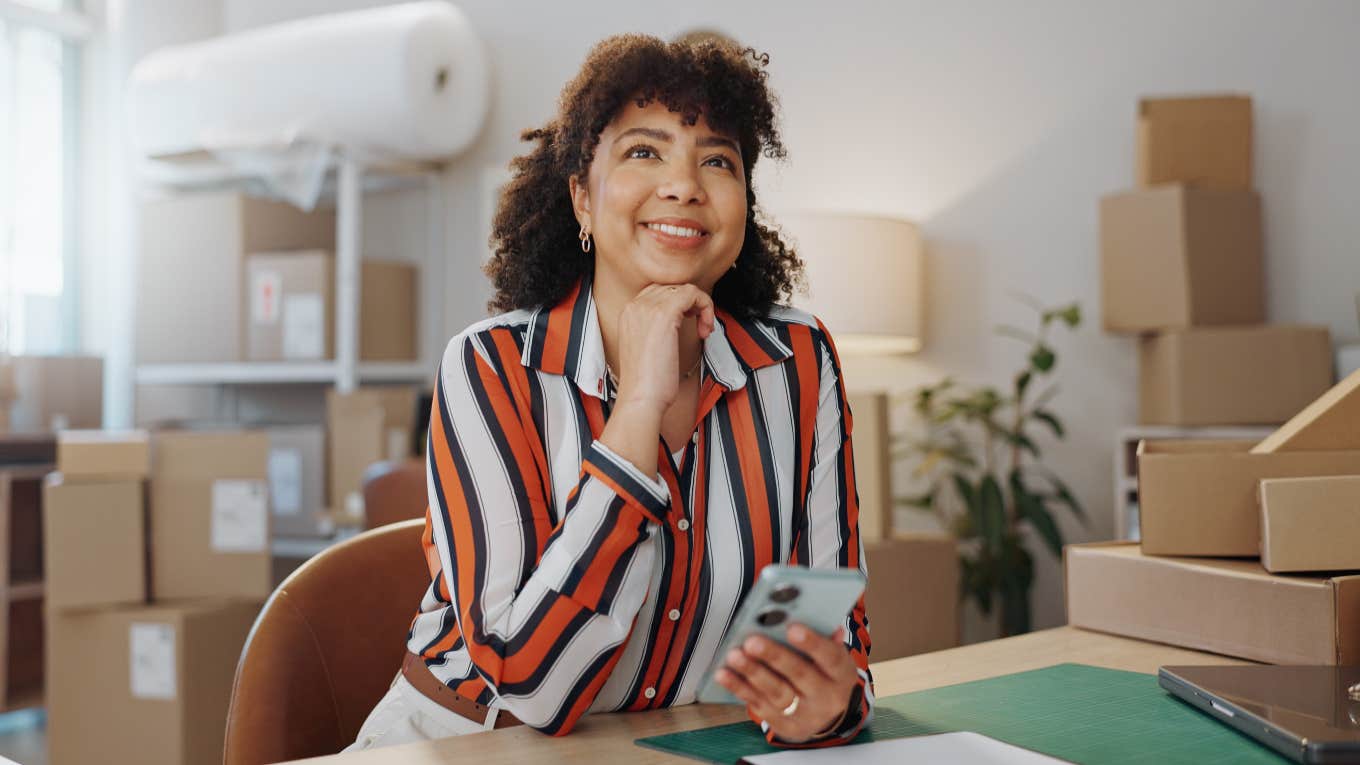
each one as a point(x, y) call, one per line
point(614, 458)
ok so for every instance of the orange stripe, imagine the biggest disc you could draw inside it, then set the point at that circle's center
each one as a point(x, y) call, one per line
point(587, 698)
point(753, 476)
point(558, 336)
point(696, 531)
point(742, 342)
point(510, 359)
point(805, 359)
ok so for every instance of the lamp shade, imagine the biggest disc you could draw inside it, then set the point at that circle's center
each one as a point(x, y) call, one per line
point(865, 278)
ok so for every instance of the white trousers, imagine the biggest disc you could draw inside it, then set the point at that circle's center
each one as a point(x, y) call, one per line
point(405, 715)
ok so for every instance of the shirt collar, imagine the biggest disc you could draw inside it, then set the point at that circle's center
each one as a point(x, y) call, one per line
point(565, 339)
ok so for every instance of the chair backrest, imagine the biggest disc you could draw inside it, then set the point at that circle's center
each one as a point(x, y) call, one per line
point(394, 491)
point(325, 648)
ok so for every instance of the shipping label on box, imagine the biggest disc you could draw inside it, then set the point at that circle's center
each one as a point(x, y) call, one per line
point(285, 480)
point(240, 516)
point(152, 661)
point(266, 292)
point(304, 326)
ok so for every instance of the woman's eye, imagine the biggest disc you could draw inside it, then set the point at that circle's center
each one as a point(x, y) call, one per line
point(641, 152)
point(721, 161)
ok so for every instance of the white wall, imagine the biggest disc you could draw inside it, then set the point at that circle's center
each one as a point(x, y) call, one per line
point(997, 125)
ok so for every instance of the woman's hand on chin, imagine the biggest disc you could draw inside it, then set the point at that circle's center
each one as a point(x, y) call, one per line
point(649, 342)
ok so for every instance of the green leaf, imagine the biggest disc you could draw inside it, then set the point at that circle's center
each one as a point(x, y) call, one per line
point(1064, 495)
point(1043, 358)
point(1021, 440)
point(1071, 315)
point(923, 501)
point(993, 512)
point(1032, 509)
point(1022, 383)
point(1050, 419)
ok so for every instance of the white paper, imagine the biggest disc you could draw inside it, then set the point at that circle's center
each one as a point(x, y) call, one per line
point(240, 522)
point(939, 749)
point(265, 287)
point(152, 660)
point(398, 444)
point(285, 481)
point(304, 326)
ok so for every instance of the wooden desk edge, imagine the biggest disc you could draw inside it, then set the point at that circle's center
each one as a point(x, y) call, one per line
point(604, 739)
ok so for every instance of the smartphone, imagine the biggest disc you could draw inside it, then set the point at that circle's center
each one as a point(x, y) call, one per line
point(817, 598)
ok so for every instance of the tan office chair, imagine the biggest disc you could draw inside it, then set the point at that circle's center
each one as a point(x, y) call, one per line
point(325, 648)
point(394, 491)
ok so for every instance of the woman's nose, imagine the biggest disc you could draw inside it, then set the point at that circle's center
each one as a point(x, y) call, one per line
point(682, 185)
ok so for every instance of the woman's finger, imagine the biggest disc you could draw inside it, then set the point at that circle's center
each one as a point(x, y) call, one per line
point(775, 691)
point(828, 653)
point(805, 677)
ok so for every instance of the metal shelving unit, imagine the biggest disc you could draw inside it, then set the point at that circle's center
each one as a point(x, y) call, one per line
point(346, 179)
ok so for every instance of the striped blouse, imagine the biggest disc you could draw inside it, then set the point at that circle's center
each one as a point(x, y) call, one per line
point(563, 579)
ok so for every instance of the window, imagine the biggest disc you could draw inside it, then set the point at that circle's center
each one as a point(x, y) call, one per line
point(40, 48)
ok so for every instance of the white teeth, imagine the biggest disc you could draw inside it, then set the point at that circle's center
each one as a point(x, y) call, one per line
point(674, 230)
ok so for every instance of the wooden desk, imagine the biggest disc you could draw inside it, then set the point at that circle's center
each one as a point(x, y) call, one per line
point(603, 739)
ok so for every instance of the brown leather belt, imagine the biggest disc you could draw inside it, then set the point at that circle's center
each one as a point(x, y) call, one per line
point(422, 679)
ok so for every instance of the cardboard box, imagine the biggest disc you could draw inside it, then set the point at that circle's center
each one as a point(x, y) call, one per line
point(1176, 257)
point(367, 426)
point(290, 314)
point(210, 524)
point(387, 311)
point(147, 685)
point(1204, 141)
point(1231, 375)
point(291, 308)
point(913, 594)
point(1330, 422)
point(94, 537)
point(104, 454)
point(51, 393)
point(1199, 497)
point(297, 479)
point(191, 265)
point(1232, 607)
point(1310, 524)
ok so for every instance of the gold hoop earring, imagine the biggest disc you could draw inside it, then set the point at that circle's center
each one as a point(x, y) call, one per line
point(584, 236)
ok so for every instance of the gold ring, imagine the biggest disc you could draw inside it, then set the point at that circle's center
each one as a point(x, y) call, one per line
point(792, 708)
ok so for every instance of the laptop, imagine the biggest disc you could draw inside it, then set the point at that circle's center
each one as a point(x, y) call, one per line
point(1310, 714)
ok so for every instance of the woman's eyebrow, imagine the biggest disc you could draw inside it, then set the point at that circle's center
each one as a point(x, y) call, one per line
point(657, 134)
point(652, 133)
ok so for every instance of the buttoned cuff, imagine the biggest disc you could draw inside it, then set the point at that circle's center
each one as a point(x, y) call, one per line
point(650, 495)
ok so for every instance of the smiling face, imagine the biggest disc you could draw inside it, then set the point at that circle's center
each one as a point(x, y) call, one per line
point(664, 201)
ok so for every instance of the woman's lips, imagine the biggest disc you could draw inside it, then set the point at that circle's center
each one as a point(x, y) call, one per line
point(673, 241)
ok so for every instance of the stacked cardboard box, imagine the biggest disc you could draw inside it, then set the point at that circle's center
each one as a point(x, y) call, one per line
point(1293, 500)
point(44, 394)
point(1182, 267)
point(291, 308)
point(157, 563)
point(370, 425)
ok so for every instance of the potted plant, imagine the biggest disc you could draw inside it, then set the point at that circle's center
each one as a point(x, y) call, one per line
point(981, 461)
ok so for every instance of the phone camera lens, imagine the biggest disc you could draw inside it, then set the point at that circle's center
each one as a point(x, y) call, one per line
point(785, 593)
point(771, 617)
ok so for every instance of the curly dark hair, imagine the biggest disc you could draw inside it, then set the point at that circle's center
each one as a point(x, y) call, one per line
point(537, 258)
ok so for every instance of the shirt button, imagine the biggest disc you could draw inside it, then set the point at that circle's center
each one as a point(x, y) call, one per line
point(694, 439)
point(674, 615)
point(682, 524)
point(650, 693)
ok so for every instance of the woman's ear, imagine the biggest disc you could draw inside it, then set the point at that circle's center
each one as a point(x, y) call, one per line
point(580, 201)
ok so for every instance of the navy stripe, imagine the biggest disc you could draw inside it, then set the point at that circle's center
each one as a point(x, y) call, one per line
point(737, 488)
point(762, 430)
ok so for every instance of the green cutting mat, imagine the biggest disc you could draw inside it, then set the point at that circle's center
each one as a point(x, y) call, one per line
point(1084, 714)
